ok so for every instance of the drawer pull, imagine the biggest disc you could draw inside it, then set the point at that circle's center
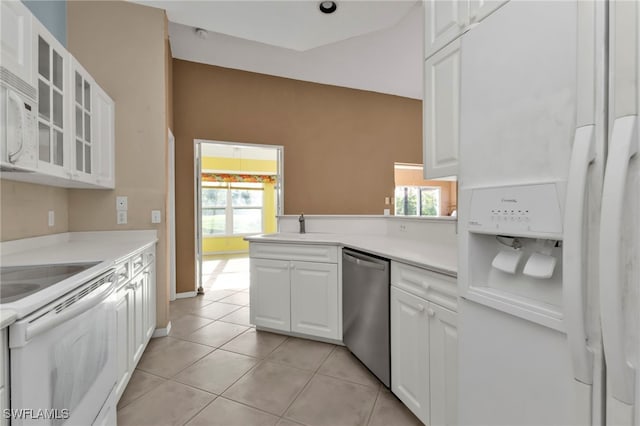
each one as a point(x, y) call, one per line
point(420, 307)
point(431, 312)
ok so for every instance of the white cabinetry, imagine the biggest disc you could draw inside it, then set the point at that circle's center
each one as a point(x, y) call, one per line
point(52, 62)
point(314, 299)
point(445, 22)
point(135, 312)
point(270, 294)
point(441, 108)
point(424, 343)
point(4, 375)
point(76, 128)
point(295, 288)
point(16, 46)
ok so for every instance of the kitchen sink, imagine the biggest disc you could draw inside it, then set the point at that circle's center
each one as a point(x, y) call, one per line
point(17, 282)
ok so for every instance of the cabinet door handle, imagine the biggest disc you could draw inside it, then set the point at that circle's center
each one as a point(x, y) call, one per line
point(431, 312)
point(420, 307)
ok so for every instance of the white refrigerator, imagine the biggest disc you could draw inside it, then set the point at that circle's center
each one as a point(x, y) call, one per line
point(549, 215)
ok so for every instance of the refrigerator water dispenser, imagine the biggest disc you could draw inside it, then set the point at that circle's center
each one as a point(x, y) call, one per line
point(514, 244)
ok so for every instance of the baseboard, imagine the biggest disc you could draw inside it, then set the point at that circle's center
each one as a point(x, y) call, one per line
point(186, 295)
point(302, 336)
point(162, 332)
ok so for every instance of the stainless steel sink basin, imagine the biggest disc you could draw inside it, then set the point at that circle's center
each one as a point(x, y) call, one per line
point(17, 282)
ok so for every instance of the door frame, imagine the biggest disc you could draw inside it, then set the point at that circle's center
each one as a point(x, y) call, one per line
point(197, 156)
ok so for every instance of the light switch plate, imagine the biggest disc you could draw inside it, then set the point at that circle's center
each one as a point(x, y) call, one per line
point(122, 203)
point(51, 220)
point(155, 216)
point(122, 217)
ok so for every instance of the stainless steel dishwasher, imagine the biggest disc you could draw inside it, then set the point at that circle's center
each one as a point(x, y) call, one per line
point(365, 311)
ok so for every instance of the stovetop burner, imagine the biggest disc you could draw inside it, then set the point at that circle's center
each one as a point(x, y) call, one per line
point(17, 282)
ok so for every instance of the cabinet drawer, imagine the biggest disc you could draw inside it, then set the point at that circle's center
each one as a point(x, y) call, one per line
point(431, 286)
point(303, 252)
point(123, 273)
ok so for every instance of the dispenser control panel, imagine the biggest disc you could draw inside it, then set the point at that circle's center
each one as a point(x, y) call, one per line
point(527, 210)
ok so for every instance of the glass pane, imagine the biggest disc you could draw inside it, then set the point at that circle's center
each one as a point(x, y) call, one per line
point(43, 58)
point(214, 197)
point(87, 127)
point(44, 99)
point(87, 96)
point(246, 198)
point(78, 122)
point(213, 221)
point(79, 155)
point(247, 221)
point(87, 158)
point(57, 108)
point(57, 70)
point(429, 202)
point(58, 148)
point(44, 143)
point(78, 88)
point(406, 201)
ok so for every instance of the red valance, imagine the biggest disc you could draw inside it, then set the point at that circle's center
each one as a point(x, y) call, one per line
point(221, 177)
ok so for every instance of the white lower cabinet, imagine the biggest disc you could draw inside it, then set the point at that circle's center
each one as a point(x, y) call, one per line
point(314, 299)
point(410, 352)
point(424, 343)
point(295, 288)
point(270, 294)
point(135, 313)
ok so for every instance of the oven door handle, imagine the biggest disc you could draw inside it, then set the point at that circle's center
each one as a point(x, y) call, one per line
point(23, 331)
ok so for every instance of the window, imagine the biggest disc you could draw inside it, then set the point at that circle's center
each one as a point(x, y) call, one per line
point(232, 208)
point(417, 201)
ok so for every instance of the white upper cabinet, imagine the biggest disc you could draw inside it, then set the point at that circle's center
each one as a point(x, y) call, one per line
point(444, 21)
point(52, 62)
point(480, 9)
point(104, 138)
point(16, 41)
point(83, 144)
point(441, 109)
point(75, 117)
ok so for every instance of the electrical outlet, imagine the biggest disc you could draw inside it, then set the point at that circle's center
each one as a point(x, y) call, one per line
point(122, 217)
point(403, 227)
point(155, 216)
point(51, 220)
point(122, 203)
point(386, 201)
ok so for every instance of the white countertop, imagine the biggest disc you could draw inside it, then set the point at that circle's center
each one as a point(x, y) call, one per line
point(436, 257)
point(107, 247)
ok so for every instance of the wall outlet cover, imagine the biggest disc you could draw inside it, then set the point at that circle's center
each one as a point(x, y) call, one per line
point(155, 216)
point(122, 203)
point(51, 219)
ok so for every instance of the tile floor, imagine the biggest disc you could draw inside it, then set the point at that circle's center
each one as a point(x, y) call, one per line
point(215, 369)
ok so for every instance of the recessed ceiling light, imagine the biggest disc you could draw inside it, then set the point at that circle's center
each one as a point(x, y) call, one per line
point(328, 6)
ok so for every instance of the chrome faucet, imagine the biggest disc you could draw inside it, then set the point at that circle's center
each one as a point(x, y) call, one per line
point(301, 220)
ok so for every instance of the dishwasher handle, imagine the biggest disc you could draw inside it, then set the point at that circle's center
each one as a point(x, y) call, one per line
point(367, 262)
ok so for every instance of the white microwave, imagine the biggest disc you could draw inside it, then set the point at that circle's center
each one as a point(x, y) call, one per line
point(18, 124)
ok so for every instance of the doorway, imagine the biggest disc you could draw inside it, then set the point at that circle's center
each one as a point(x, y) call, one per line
point(239, 188)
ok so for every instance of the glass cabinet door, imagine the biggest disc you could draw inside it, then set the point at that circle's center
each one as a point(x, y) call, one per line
point(83, 115)
point(51, 121)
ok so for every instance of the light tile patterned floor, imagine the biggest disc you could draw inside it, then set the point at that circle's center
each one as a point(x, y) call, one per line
point(216, 369)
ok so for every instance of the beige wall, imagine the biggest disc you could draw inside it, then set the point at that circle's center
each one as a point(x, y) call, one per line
point(340, 144)
point(123, 45)
point(24, 210)
point(448, 189)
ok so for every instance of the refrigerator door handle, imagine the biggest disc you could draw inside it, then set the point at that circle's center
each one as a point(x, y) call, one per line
point(623, 146)
point(574, 298)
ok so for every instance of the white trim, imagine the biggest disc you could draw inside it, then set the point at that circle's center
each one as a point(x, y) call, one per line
point(172, 216)
point(186, 295)
point(239, 172)
point(162, 332)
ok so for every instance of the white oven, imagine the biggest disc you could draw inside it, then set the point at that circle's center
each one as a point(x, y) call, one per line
point(63, 362)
